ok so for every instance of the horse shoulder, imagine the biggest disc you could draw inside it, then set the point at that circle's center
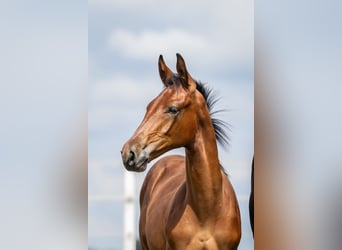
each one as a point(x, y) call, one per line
point(159, 188)
point(164, 169)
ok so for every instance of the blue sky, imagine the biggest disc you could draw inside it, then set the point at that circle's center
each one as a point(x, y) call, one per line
point(125, 40)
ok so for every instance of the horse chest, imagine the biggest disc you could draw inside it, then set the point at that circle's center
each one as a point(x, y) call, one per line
point(189, 237)
point(187, 232)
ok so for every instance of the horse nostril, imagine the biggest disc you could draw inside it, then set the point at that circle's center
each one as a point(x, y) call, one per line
point(131, 158)
point(131, 155)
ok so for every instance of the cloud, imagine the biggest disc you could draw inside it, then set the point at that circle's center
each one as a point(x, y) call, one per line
point(218, 32)
point(212, 48)
point(148, 44)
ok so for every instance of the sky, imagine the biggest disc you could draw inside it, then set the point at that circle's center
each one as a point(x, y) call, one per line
point(125, 41)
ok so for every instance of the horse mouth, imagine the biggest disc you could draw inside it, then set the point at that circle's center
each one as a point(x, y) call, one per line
point(141, 165)
point(132, 163)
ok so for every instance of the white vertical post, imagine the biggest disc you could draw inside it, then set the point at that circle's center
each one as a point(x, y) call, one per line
point(129, 214)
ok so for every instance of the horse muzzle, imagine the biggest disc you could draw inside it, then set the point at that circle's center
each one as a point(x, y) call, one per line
point(134, 159)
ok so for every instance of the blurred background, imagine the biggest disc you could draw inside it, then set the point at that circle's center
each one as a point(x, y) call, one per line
point(125, 41)
point(43, 128)
point(298, 121)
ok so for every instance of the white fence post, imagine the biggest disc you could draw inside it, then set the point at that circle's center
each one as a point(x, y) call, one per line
point(129, 213)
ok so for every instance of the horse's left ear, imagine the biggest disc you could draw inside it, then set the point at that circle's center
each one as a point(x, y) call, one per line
point(183, 73)
point(164, 70)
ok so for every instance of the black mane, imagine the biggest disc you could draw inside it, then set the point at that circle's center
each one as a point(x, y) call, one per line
point(220, 126)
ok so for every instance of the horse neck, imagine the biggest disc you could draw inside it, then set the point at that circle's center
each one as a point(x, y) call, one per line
point(203, 173)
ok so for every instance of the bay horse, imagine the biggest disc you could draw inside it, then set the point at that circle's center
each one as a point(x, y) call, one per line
point(185, 202)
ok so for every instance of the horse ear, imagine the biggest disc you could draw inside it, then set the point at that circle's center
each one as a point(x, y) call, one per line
point(164, 71)
point(183, 73)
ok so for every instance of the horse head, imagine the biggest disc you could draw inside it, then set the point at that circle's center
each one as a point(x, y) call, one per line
point(170, 121)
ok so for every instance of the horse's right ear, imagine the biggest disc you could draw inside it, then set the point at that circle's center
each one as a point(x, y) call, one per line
point(164, 70)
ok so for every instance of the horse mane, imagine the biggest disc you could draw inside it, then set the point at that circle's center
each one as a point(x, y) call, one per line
point(219, 125)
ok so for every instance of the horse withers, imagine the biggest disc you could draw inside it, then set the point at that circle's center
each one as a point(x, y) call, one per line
point(186, 202)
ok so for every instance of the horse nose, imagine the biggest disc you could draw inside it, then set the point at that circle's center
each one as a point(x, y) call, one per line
point(128, 158)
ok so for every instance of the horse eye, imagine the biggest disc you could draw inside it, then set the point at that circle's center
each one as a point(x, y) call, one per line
point(172, 110)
